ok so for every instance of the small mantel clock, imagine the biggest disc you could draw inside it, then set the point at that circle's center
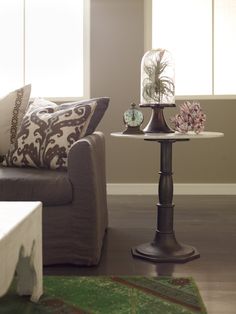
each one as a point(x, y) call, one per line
point(133, 118)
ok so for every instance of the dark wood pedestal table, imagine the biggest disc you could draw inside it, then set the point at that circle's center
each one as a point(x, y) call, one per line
point(165, 247)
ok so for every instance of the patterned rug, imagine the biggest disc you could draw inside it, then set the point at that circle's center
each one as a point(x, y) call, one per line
point(109, 295)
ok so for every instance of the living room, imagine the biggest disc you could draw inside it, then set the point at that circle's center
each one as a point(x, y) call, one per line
point(203, 172)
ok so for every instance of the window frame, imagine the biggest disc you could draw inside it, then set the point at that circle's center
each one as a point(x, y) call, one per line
point(148, 46)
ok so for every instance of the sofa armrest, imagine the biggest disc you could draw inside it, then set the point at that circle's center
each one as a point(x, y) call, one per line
point(87, 174)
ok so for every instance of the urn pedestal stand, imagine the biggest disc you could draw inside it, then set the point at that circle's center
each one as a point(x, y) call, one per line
point(157, 123)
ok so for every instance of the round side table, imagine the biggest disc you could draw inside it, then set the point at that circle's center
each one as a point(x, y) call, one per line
point(165, 247)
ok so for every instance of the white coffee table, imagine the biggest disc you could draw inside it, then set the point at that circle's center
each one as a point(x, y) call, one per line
point(165, 247)
point(21, 247)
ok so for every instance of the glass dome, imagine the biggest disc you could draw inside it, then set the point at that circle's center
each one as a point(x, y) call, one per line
point(157, 78)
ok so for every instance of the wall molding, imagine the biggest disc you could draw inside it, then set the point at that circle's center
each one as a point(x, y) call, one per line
point(179, 189)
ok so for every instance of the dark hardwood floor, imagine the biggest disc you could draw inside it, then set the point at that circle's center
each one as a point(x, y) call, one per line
point(206, 222)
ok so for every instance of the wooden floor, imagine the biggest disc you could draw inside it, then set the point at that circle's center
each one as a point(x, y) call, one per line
point(206, 222)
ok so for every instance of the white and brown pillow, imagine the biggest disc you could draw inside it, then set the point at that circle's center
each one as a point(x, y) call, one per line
point(47, 132)
point(12, 109)
point(102, 105)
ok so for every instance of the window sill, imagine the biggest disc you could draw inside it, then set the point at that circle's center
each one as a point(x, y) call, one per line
point(205, 97)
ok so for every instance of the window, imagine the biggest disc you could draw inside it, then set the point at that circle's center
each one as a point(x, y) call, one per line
point(44, 42)
point(200, 34)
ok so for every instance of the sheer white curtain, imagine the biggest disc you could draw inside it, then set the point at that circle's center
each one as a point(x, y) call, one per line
point(200, 34)
point(225, 46)
point(43, 44)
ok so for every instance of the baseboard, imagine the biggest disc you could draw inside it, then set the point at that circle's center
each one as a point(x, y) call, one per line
point(179, 189)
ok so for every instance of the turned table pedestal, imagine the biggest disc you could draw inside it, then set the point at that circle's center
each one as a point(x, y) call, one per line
point(165, 247)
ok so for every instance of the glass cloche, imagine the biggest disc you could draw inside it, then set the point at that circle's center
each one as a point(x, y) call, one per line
point(157, 78)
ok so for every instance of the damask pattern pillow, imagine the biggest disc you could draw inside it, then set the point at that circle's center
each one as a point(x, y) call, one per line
point(12, 109)
point(102, 105)
point(47, 132)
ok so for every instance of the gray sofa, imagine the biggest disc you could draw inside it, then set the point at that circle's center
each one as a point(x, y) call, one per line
point(74, 202)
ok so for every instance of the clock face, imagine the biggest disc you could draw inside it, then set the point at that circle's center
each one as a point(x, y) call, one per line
point(133, 117)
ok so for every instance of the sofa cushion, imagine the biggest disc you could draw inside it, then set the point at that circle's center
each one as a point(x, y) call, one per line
point(24, 184)
point(47, 132)
point(12, 110)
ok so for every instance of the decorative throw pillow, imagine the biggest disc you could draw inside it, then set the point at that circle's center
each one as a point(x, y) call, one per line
point(102, 104)
point(12, 109)
point(47, 132)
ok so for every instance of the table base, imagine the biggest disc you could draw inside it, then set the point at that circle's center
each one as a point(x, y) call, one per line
point(166, 249)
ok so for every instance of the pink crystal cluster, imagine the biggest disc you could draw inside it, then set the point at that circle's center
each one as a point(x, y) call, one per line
point(190, 118)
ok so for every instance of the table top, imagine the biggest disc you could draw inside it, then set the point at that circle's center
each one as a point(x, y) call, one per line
point(169, 136)
point(13, 213)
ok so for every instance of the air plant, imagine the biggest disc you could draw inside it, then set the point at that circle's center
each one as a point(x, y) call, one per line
point(156, 85)
point(190, 118)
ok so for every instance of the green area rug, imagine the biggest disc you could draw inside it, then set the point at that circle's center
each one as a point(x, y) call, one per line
point(109, 295)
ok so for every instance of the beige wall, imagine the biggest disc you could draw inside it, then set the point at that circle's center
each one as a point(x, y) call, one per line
point(117, 41)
